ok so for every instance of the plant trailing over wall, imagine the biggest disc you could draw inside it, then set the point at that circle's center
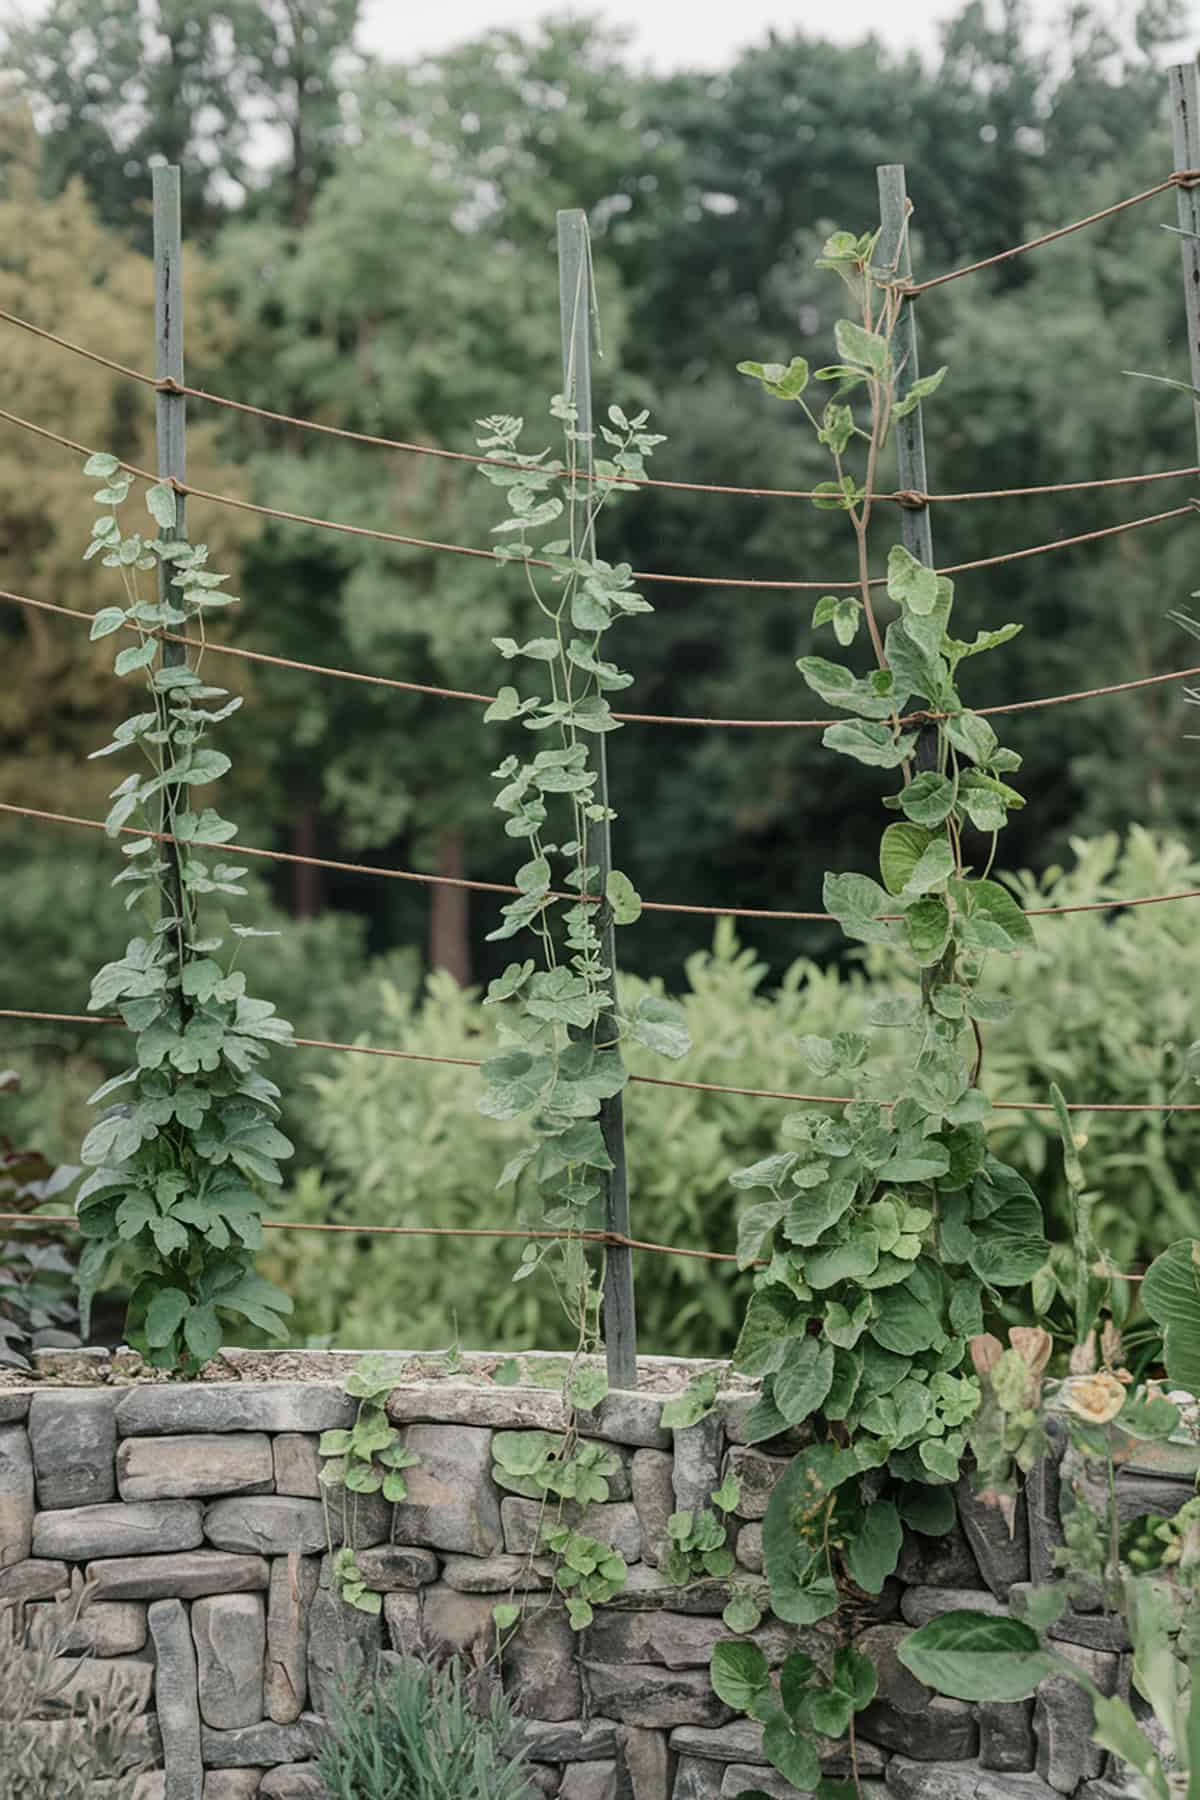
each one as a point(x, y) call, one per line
point(804, 1706)
point(368, 1458)
point(553, 1064)
point(883, 1236)
point(180, 1161)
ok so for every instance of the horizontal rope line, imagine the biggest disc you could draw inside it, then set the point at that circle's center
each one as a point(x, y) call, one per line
point(497, 887)
point(912, 497)
point(713, 581)
point(698, 1087)
point(1181, 178)
point(442, 693)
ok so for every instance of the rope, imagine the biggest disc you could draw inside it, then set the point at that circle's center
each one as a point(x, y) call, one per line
point(626, 718)
point(712, 581)
point(697, 1087)
point(1181, 178)
point(910, 497)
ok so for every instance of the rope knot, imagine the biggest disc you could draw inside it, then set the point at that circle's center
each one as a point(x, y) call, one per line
point(1185, 178)
point(167, 384)
point(913, 498)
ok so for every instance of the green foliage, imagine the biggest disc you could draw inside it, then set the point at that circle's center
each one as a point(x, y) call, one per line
point(976, 1656)
point(586, 1571)
point(179, 1162)
point(539, 1463)
point(416, 1732)
point(1171, 1295)
point(698, 1546)
point(95, 1732)
point(368, 1458)
point(807, 1704)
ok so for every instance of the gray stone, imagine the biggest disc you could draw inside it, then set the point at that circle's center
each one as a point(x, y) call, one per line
point(654, 1500)
point(187, 1576)
point(572, 1740)
point(739, 1777)
point(100, 1628)
point(620, 1482)
point(120, 1680)
point(175, 1701)
point(361, 1520)
point(267, 1525)
point(480, 1574)
point(589, 1781)
point(624, 1417)
point(920, 1604)
point(118, 1528)
point(1062, 1720)
point(1042, 1508)
point(341, 1641)
point(758, 1475)
point(1154, 1495)
point(645, 1588)
point(492, 1408)
point(75, 1367)
point(285, 1686)
point(676, 1641)
point(614, 1523)
point(944, 1730)
point(179, 1468)
point(297, 1465)
point(544, 1778)
point(953, 1781)
point(643, 1764)
point(940, 1562)
point(740, 1741)
point(748, 1548)
point(389, 1567)
point(1002, 1554)
point(14, 1405)
point(231, 1784)
point(696, 1471)
point(16, 1495)
point(642, 1694)
point(48, 1338)
point(294, 1781)
point(452, 1622)
point(541, 1673)
point(73, 1435)
point(230, 1635)
point(259, 1746)
point(1006, 1738)
point(169, 1407)
point(33, 1579)
point(1093, 1630)
point(697, 1779)
point(452, 1500)
point(402, 1617)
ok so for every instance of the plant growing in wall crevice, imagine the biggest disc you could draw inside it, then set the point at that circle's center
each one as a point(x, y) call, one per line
point(181, 1158)
point(884, 1236)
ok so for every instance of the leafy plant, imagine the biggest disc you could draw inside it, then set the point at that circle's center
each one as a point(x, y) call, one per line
point(562, 1025)
point(804, 1706)
point(698, 1538)
point(179, 1164)
point(416, 1732)
point(37, 1279)
point(587, 1572)
point(368, 1458)
point(540, 1463)
point(57, 1737)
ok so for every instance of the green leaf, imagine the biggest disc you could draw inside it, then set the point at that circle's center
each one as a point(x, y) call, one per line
point(740, 1675)
point(101, 463)
point(868, 743)
point(910, 583)
point(804, 1378)
point(694, 1404)
point(792, 1752)
point(927, 926)
point(506, 1615)
point(164, 1315)
point(977, 1656)
point(856, 903)
point(660, 1025)
point(802, 1589)
point(1115, 1728)
point(136, 656)
point(863, 349)
point(742, 1613)
point(1170, 1294)
point(784, 381)
point(929, 1510)
point(905, 1325)
point(900, 850)
point(971, 735)
point(934, 867)
point(873, 1550)
point(828, 1265)
point(108, 619)
point(928, 799)
point(160, 503)
point(920, 390)
point(623, 898)
point(769, 1321)
point(991, 919)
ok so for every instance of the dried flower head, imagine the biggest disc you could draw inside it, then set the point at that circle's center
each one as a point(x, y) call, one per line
point(1096, 1398)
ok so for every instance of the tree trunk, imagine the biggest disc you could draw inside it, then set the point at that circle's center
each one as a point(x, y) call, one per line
point(306, 883)
point(449, 939)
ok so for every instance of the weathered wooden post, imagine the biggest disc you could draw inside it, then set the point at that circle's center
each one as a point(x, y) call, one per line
point(575, 310)
point(1185, 123)
point(170, 419)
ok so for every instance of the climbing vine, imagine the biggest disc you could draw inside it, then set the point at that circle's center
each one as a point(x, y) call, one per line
point(882, 1237)
point(182, 1156)
point(560, 1021)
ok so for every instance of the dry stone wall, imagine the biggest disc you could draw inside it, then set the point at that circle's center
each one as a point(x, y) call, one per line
point(196, 1519)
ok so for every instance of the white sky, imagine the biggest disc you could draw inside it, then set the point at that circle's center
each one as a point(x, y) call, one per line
point(671, 34)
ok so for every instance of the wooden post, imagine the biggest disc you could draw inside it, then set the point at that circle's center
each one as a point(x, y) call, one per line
point(170, 420)
point(893, 254)
point(1185, 123)
point(575, 310)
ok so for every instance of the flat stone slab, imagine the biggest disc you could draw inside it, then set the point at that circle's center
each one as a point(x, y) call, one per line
point(14, 1405)
point(389, 1568)
point(231, 1784)
point(453, 1503)
point(187, 1576)
point(121, 1528)
point(484, 1574)
point(267, 1525)
point(614, 1522)
point(180, 1468)
point(259, 1746)
point(297, 1464)
point(16, 1495)
point(85, 1679)
point(738, 1742)
point(628, 1418)
point(909, 1780)
point(230, 1634)
point(920, 1604)
point(170, 1407)
point(758, 1474)
point(674, 1641)
point(175, 1699)
point(571, 1740)
point(640, 1694)
point(102, 1627)
point(293, 1781)
point(291, 1593)
point(34, 1579)
point(73, 1435)
point(463, 1403)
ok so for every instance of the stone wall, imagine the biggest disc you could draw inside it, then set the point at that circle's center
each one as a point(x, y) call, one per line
point(195, 1516)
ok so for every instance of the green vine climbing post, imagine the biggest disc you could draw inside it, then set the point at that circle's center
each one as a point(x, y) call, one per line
point(1185, 124)
point(576, 309)
point(170, 410)
point(894, 253)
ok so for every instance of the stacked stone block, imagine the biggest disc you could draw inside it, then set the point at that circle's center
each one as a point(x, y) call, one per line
point(195, 1516)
